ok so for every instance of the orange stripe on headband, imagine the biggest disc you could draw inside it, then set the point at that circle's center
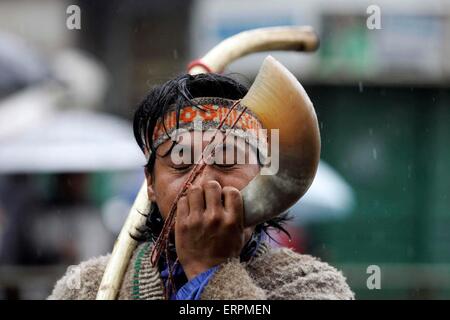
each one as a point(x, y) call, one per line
point(207, 114)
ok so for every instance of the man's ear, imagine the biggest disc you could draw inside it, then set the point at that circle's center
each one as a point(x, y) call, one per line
point(150, 190)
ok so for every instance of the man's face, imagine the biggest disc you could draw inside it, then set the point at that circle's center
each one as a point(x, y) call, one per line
point(167, 177)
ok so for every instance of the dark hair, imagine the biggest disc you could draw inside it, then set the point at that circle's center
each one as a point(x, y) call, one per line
point(179, 92)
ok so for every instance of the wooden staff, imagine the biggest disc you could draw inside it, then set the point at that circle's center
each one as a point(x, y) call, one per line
point(264, 39)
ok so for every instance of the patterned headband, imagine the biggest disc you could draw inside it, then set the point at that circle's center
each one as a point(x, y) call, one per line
point(207, 113)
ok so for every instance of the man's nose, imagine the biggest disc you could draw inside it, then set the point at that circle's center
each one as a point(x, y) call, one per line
point(208, 174)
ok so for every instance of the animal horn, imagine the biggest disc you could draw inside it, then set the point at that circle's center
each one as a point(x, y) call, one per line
point(280, 102)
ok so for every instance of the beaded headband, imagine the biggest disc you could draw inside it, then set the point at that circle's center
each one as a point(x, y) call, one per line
point(206, 114)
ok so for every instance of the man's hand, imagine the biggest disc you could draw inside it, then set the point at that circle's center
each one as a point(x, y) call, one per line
point(208, 231)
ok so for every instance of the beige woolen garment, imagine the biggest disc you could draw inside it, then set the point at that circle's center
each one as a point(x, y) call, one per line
point(271, 274)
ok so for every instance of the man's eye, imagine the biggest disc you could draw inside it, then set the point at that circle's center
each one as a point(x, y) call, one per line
point(225, 165)
point(182, 167)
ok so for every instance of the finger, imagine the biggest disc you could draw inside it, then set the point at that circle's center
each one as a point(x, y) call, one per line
point(196, 200)
point(233, 204)
point(183, 207)
point(182, 212)
point(213, 195)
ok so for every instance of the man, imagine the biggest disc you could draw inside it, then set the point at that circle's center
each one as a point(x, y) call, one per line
point(210, 254)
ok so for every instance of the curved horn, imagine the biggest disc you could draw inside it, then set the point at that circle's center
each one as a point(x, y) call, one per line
point(280, 102)
point(293, 38)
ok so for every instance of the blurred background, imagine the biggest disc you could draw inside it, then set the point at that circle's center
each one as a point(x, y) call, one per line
point(70, 169)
